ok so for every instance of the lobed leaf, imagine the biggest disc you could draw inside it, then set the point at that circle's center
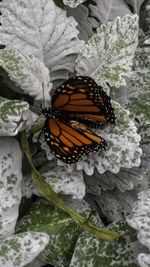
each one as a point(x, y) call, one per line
point(31, 26)
point(103, 11)
point(136, 5)
point(27, 71)
point(81, 15)
point(108, 55)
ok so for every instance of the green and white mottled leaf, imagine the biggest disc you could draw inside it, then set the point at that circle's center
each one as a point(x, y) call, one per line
point(20, 249)
point(73, 3)
point(10, 184)
point(136, 5)
point(122, 150)
point(139, 93)
point(41, 28)
point(15, 116)
point(81, 15)
point(139, 219)
point(27, 71)
point(62, 230)
point(103, 11)
point(108, 55)
point(119, 253)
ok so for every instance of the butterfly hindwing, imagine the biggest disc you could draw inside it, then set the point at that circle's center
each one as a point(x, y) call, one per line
point(85, 101)
point(72, 140)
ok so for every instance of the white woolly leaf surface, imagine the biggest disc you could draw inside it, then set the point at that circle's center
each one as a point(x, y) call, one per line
point(42, 29)
point(138, 92)
point(60, 179)
point(20, 249)
point(108, 55)
point(136, 4)
point(10, 184)
point(93, 253)
point(122, 150)
point(73, 3)
point(140, 220)
point(81, 14)
point(15, 116)
point(103, 11)
point(27, 71)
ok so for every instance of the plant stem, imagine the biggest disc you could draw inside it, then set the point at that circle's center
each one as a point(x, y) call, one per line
point(46, 190)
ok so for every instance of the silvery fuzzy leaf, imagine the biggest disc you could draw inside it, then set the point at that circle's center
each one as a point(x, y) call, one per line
point(126, 179)
point(15, 116)
point(122, 150)
point(108, 55)
point(20, 249)
point(120, 253)
point(10, 184)
point(138, 91)
point(139, 219)
point(103, 11)
point(136, 5)
point(81, 14)
point(27, 71)
point(27, 25)
point(73, 3)
point(62, 230)
point(61, 180)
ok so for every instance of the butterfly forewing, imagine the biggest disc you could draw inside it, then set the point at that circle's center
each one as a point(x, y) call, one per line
point(69, 141)
point(85, 101)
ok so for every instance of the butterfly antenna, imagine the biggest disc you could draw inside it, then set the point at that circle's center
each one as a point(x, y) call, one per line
point(43, 101)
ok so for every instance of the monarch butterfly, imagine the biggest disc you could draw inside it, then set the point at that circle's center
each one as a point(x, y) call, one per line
point(79, 103)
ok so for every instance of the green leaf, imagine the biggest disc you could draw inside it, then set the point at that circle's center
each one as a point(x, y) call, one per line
point(60, 227)
point(108, 55)
point(94, 253)
point(14, 116)
point(20, 249)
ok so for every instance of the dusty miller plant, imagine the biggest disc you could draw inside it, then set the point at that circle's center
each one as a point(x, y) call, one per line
point(46, 206)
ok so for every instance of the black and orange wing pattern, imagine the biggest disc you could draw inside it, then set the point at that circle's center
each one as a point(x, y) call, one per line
point(69, 141)
point(85, 101)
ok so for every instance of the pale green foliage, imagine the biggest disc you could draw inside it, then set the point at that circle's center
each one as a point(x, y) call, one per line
point(108, 55)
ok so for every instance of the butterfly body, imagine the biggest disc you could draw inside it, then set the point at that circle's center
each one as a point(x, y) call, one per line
point(77, 105)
